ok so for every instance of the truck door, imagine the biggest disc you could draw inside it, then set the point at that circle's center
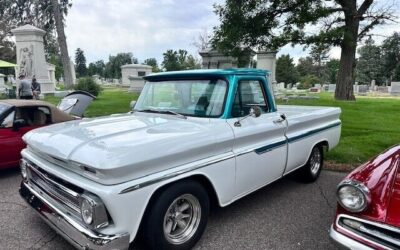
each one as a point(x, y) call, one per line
point(260, 144)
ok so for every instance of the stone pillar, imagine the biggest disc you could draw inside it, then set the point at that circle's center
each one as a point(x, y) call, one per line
point(267, 60)
point(2, 80)
point(30, 55)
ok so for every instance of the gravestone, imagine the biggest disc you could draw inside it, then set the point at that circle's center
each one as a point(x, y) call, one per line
point(382, 89)
point(30, 56)
point(373, 85)
point(281, 86)
point(332, 88)
point(395, 88)
point(2, 85)
point(362, 89)
point(267, 60)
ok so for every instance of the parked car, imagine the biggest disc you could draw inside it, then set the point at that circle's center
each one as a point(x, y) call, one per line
point(368, 212)
point(193, 138)
point(20, 116)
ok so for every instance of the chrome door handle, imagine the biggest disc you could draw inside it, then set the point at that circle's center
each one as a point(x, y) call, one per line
point(280, 120)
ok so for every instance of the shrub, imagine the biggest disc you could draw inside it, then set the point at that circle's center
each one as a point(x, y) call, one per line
point(308, 81)
point(89, 85)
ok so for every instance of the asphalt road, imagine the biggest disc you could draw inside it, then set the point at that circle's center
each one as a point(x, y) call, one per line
point(284, 215)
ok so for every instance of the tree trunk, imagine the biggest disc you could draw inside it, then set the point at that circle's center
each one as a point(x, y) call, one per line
point(62, 41)
point(346, 77)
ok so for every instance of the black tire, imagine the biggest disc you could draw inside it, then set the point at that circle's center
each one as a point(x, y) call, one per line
point(311, 171)
point(160, 215)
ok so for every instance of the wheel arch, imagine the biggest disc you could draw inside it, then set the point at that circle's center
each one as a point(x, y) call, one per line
point(200, 178)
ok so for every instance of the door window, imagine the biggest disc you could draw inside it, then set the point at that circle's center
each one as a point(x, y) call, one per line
point(249, 93)
point(34, 116)
point(8, 121)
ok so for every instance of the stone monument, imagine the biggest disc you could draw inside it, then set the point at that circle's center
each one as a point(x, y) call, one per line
point(267, 60)
point(395, 88)
point(30, 56)
point(213, 59)
point(132, 76)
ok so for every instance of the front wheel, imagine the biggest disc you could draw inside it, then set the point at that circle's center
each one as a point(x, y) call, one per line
point(311, 171)
point(177, 216)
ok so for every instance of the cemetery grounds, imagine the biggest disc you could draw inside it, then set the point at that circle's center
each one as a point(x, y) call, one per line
point(369, 125)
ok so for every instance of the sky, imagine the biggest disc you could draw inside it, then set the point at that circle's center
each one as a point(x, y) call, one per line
point(148, 28)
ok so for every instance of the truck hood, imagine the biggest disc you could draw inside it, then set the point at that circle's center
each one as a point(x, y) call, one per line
point(125, 147)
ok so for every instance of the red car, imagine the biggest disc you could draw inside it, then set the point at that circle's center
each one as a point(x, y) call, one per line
point(368, 213)
point(20, 116)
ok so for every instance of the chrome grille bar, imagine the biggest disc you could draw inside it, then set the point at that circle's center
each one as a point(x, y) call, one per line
point(382, 234)
point(54, 189)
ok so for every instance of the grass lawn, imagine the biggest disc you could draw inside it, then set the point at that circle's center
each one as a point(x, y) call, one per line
point(110, 101)
point(369, 125)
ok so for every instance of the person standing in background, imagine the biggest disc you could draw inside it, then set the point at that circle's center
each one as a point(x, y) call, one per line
point(35, 88)
point(25, 88)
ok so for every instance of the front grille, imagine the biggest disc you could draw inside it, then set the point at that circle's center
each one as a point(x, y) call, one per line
point(56, 190)
point(381, 234)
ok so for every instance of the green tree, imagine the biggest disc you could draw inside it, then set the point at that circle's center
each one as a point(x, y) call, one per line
point(179, 60)
point(330, 71)
point(271, 24)
point(80, 63)
point(192, 63)
point(319, 54)
point(305, 66)
point(171, 61)
point(113, 66)
point(391, 57)
point(369, 65)
point(285, 70)
point(153, 63)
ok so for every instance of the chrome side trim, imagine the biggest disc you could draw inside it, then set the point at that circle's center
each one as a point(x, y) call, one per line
point(344, 242)
point(313, 131)
point(174, 174)
point(366, 222)
point(257, 150)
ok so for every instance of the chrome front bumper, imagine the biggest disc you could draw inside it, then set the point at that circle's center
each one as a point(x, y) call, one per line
point(344, 242)
point(78, 235)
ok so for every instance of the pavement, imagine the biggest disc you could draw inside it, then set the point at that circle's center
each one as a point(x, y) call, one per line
point(284, 215)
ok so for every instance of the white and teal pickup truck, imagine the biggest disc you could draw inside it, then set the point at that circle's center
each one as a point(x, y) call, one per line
point(192, 139)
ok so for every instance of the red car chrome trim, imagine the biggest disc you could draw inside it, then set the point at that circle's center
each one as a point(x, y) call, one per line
point(370, 232)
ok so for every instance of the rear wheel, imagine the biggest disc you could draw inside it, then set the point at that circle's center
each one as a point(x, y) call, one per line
point(177, 217)
point(311, 171)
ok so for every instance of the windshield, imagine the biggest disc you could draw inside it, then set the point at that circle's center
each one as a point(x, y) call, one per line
point(3, 108)
point(200, 98)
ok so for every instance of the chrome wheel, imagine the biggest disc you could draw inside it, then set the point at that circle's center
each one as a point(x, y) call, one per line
point(315, 160)
point(182, 219)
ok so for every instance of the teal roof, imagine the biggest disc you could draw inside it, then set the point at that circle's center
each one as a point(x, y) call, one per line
point(206, 73)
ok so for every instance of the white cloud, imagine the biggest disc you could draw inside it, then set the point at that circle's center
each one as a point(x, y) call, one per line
point(148, 28)
point(145, 28)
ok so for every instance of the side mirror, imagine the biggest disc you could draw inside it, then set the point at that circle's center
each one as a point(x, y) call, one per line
point(19, 123)
point(255, 111)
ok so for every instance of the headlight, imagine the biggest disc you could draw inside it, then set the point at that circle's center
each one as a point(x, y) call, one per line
point(353, 196)
point(93, 211)
point(87, 211)
point(22, 164)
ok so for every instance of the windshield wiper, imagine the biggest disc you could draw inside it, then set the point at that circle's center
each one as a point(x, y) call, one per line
point(164, 111)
